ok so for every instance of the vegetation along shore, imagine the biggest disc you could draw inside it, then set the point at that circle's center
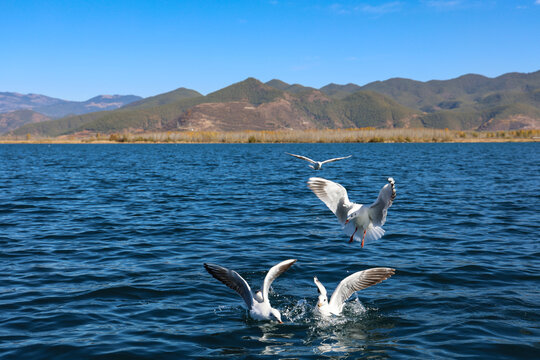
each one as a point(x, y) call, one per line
point(362, 135)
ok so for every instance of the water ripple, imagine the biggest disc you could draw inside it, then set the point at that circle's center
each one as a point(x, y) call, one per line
point(102, 250)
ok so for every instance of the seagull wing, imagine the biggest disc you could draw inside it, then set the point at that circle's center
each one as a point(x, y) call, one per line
point(273, 273)
point(333, 195)
point(377, 210)
point(335, 159)
point(357, 281)
point(302, 157)
point(320, 287)
point(233, 280)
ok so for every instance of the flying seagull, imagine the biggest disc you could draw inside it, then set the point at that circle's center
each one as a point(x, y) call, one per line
point(258, 304)
point(355, 282)
point(354, 217)
point(318, 164)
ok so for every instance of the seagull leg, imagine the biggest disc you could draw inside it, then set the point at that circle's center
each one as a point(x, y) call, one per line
point(352, 236)
point(363, 237)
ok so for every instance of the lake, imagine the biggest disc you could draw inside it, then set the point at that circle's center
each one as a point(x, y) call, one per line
point(102, 251)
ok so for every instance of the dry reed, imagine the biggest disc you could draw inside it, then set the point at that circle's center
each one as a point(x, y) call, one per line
point(362, 135)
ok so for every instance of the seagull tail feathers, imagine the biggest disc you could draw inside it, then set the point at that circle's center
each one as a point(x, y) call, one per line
point(374, 233)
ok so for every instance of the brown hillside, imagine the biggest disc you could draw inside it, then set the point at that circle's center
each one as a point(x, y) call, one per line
point(12, 120)
point(242, 115)
point(514, 122)
point(281, 113)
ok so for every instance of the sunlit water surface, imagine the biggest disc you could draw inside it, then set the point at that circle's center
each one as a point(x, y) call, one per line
point(102, 246)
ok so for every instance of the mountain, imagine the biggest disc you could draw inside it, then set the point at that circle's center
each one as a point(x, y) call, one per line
point(470, 102)
point(278, 84)
point(294, 88)
point(98, 103)
point(57, 108)
point(246, 105)
point(11, 101)
point(340, 91)
point(14, 119)
point(165, 98)
point(462, 92)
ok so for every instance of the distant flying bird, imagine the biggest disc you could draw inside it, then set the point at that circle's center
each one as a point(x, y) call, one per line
point(317, 164)
point(354, 216)
point(258, 304)
point(352, 283)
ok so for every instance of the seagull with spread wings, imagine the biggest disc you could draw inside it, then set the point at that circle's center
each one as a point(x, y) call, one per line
point(258, 305)
point(317, 164)
point(368, 219)
point(352, 283)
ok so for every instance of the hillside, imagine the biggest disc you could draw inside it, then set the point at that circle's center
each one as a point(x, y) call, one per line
point(340, 91)
point(14, 119)
point(165, 98)
point(462, 92)
point(507, 102)
point(294, 88)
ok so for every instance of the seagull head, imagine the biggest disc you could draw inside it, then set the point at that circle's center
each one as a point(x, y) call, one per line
point(322, 302)
point(275, 315)
point(349, 218)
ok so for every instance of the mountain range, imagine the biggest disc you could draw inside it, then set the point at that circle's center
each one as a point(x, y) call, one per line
point(469, 102)
point(18, 109)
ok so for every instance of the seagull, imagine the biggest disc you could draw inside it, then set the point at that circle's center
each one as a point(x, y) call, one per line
point(355, 282)
point(258, 304)
point(354, 217)
point(318, 164)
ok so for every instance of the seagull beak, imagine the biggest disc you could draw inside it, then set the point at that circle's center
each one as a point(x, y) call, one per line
point(319, 305)
point(279, 321)
point(346, 221)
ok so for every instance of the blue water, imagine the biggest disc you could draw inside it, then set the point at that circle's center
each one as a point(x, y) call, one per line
point(102, 246)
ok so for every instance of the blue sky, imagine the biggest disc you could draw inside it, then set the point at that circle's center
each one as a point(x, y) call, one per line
point(78, 49)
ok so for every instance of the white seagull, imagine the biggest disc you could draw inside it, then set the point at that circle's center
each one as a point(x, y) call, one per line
point(258, 304)
point(357, 281)
point(317, 164)
point(354, 217)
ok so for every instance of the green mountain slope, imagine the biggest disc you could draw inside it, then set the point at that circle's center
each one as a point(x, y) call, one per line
point(278, 84)
point(165, 98)
point(294, 88)
point(369, 109)
point(250, 90)
point(340, 91)
point(137, 115)
point(461, 92)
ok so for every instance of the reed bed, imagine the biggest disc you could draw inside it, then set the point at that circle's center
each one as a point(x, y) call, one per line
point(362, 135)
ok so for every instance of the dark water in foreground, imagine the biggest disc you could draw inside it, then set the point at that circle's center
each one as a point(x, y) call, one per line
point(102, 246)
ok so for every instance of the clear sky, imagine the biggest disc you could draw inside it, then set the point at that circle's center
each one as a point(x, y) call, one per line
point(76, 49)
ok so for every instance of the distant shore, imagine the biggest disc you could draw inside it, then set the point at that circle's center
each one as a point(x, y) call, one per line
point(364, 135)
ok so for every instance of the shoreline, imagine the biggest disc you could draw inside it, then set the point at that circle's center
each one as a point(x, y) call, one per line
point(362, 135)
point(86, 142)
